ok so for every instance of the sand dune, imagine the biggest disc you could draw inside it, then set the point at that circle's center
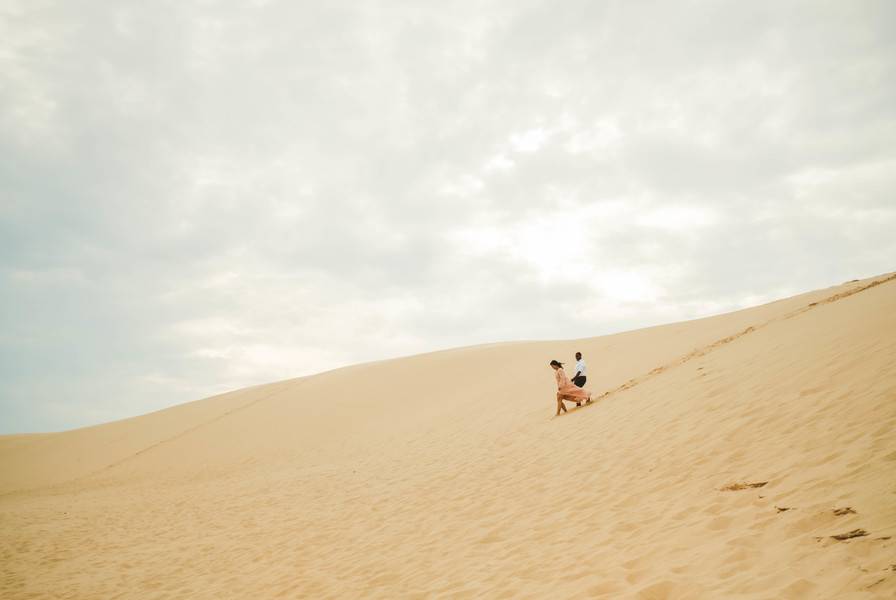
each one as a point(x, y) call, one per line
point(721, 461)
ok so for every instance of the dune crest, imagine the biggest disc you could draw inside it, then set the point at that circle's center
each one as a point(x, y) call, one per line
point(749, 455)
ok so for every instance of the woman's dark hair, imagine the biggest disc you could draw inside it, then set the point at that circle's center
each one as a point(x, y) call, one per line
point(556, 362)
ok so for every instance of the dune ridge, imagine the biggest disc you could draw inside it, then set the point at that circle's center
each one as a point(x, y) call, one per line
point(730, 338)
point(746, 455)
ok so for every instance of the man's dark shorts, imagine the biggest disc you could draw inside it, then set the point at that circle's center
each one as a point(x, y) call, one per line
point(579, 381)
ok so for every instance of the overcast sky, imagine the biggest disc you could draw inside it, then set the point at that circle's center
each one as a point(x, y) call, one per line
point(199, 196)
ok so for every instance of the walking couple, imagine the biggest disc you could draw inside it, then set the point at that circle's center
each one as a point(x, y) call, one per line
point(572, 391)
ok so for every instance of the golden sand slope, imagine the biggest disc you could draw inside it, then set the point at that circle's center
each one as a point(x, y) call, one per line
point(726, 454)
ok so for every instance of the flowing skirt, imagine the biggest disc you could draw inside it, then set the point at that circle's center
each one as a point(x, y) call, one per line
point(573, 392)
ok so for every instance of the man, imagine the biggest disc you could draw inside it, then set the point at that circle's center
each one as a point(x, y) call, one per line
point(579, 378)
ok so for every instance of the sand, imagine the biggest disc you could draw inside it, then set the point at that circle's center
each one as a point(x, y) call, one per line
point(720, 462)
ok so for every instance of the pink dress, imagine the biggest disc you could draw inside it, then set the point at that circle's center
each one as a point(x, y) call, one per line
point(568, 389)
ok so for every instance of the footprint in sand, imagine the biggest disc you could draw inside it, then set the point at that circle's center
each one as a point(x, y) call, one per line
point(850, 534)
point(844, 511)
point(735, 487)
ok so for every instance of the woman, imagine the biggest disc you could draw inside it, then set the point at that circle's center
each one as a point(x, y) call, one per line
point(566, 390)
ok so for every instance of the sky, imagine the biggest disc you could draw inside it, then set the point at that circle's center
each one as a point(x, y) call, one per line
point(198, 196)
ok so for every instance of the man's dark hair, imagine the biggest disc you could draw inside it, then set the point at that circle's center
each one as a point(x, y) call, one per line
point(578, 355)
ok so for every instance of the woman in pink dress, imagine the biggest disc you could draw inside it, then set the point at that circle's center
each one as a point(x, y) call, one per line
point(567, 390)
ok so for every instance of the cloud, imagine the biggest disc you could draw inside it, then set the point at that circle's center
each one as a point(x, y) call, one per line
point(198, 197)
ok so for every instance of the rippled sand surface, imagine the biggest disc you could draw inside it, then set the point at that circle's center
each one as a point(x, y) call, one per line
point(749, 455)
